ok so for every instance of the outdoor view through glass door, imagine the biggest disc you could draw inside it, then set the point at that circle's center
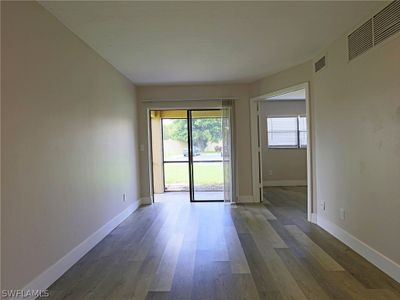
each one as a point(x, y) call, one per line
point(175, 151)
point(191, 154)
point(206, 144)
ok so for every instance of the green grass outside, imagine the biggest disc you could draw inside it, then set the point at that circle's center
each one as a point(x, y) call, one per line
point(204, 173)
point(170, 153)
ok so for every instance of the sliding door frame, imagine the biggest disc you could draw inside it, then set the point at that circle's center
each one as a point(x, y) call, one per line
point(150, 146)
point(172, 161)
point(190, 154)
point(191, 161)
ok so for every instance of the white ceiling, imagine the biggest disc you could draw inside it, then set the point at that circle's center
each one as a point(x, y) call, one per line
point(207, 42)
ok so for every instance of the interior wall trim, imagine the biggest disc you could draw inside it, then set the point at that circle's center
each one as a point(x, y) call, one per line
point(55, 271)
point(146, 200)
point(245, 199)
point(314, 218)
point(384, 263)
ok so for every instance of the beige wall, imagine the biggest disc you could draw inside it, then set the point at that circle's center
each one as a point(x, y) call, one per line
point(69, 148)
point(161, 97)
point(302, 73)
point(288, 78)
point(157, 152)
point(282, 164)
point(357, 111)
point(69, 139)
point(201, 92)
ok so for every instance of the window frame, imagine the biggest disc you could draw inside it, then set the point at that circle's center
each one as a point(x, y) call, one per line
point(300, 131)
point(297, 116)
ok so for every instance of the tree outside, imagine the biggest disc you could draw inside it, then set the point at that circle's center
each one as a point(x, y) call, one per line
point(207, 139)
point(204, 131)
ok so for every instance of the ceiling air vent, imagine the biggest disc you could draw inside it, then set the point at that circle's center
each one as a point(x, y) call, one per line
point(387, 22)
point(320, 64)
point(360, 40)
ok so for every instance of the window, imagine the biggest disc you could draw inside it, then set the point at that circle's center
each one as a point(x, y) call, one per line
point(287, 132)
point(302, 132)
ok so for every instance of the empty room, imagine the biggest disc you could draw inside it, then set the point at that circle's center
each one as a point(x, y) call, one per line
point(200, 150)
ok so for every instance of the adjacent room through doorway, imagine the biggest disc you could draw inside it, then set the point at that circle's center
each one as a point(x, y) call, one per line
point(191, 155)
point(283, 145)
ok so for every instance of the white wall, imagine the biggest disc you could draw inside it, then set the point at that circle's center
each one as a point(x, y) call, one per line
point(69, 142)
point(357, 109)
point(282, 166)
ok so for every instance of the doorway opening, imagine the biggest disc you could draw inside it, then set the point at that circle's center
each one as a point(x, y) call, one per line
point(191, 157)
point(281, 145)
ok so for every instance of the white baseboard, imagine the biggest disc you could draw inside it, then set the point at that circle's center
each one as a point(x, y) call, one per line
point(146, 200)
point(245, 199)
point(384, 263)
point(314, 218)
point(49, 276)
point(285, 183)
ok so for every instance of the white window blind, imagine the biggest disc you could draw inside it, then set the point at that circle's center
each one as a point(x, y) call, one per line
point(287, 132)
point(302, 132)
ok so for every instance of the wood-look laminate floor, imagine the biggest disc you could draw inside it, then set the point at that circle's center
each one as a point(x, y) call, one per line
point(218, 251)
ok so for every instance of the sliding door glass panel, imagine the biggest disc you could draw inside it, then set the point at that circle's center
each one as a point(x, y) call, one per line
point(175, 151)
point(208, 181)
point(207, 145)
point(175, 140)
point(176, 177)
point(207, 135)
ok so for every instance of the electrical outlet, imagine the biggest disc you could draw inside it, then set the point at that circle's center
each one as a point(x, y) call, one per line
point(342, 214)
point(269, 172)
point(322, 205)
point(123, 197)
point(141, 147)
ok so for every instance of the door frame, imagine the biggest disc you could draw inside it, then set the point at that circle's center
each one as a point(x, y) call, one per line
point(256, 147)
point(150, 149)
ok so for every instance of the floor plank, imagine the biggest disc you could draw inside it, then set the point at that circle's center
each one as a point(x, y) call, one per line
point(324, 259)
point(184, 250)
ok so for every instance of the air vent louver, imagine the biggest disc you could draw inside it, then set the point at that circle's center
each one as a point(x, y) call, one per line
point(383, 25)
point(387, 22)
point(360, 40)
point(320, 64)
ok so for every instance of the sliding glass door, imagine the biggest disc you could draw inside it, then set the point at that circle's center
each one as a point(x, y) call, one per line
point(195, 153)
point(206, 155)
